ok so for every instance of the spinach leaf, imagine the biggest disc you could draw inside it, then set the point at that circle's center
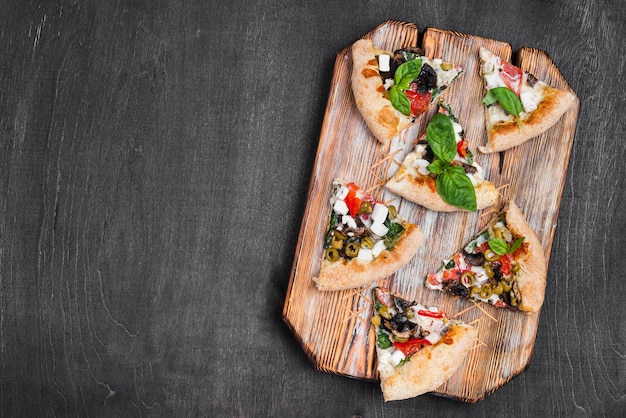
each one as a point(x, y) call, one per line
point(456, 188)
point(383, 341)
point(440, 137)
point(393, 235)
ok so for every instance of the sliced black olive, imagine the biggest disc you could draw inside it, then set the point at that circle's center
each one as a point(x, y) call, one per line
point(474, 259)
point(457, 289)
point(427, 79)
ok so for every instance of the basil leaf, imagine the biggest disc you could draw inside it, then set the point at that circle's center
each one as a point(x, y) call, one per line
point(456, 188)
point(498, 246)
point(406, 73)
point(516, 244)
point(399, 100)
point(437, 166)
point(507, 99)
point(440, 137)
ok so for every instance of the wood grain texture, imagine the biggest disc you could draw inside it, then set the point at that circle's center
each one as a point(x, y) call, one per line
point(341, 339)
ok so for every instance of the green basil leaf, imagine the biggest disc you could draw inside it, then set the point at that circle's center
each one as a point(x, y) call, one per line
point(498, 246)
point(440, 137)
point(437, 166)
point(507, 99)
point(399, 100)
point(516, 245)
point(456, 188)
point(406, 73)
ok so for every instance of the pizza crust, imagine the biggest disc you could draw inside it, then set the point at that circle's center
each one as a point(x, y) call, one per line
point(350, 274)
point(430, 367)
point(423, 191)
point(383, 120)
point(503, 136)
point(531, 280)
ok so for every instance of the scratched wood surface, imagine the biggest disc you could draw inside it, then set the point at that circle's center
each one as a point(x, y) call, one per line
point(334, 327)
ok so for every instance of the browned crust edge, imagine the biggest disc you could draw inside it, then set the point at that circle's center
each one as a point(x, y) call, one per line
point(423, 191)
point(532, 278)
point(343, 275)
point(430, 367)
point(383, 120)
point(508, 135)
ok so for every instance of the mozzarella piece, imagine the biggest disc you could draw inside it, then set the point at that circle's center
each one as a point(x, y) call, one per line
point(342, 193)
point(383, 63)
point(365, 254)
point(396, 357)
point(379, 247)
point(340, 207)
point(421, 165)
point(379, 214)
point(379, 229)
point(348, 221)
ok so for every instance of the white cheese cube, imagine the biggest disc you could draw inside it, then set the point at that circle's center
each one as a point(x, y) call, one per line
point(529, 101)
point(379, 214)
point(421, 165)
point(383, 63)
point(349, 221)
point(342, 193)
point(379, 247)
point(379, 229)
point(396, 357)
point(365, 254)
point(340, 207)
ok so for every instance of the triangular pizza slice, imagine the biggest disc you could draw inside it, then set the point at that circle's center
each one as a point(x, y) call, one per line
point(503, 265)
point(440, 173)
point(418, 348)
point(518, 105)
point(391, 89)
point(366, 240)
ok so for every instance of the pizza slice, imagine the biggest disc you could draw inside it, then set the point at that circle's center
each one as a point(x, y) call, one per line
point(417, 348)
point(503, 265)
point(518, 105)
point(366, 240)
point(440, 173)
point(391, 89)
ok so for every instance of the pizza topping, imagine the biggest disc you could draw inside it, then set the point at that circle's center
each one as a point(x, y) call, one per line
point(444, 155)
point(412, 80)
point(485, 269)
point(404, 328)
point(360, 227)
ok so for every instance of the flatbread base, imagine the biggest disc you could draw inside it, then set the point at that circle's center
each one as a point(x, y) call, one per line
point(341, 275)
point(423, 191)
point(430, 367)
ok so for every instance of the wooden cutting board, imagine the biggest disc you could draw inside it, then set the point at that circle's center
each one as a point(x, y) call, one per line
point(334, 327)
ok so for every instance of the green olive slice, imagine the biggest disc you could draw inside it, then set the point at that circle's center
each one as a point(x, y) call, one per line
point(336, 242)
point(506, 286)
point(485, 291)
point(498, 289)
point(366, 207)
point(491, 255)
point(367, 242)
point(467, 279)
point(352, 250)
point(332, 254)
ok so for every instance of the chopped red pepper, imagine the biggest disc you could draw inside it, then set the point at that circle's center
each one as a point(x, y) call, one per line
point(505, 263)
point(461, 148)
point(431, 314)
point(352, 201)
point(412, 346)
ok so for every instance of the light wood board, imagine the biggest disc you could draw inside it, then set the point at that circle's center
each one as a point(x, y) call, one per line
point(334, 327)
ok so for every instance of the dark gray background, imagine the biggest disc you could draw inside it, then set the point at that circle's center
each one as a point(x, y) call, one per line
point(155, 158)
